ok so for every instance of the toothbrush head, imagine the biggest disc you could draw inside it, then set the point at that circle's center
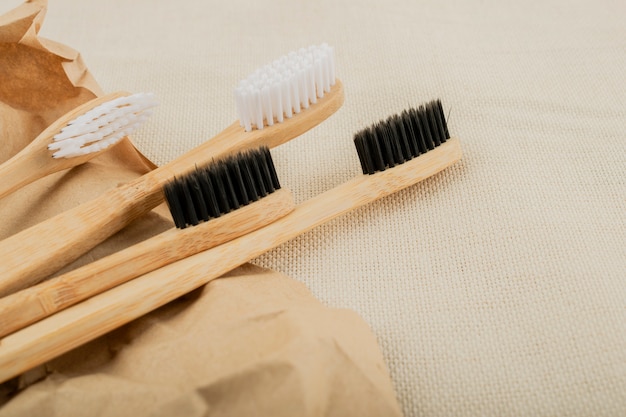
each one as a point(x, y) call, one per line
point(102, 126)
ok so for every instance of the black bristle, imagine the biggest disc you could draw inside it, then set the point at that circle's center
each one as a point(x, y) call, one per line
point(432, 126)
point(265, 181)
point(442, 117)
point(271, 169)
point(403, 141)
point(174, 202)
point(208, 193)
point(438, 122)
point(221, 187)
point(248, 179)
point(422, 114)
point(376, 148)
point(364, 156)
point(239, 186)
point(396, 143)
point(419, 131)
point(201, 205)
point(229, 185)
point(411, 136)
point(386, 145)
point(402, 137)
point(190, 208)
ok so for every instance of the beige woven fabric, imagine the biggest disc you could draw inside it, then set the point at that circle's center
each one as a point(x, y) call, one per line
point(496, 288)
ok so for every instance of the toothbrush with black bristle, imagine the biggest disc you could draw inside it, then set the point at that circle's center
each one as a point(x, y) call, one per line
point(76, 137)
point(394, 154)
point(209, 206)
point(286, 98)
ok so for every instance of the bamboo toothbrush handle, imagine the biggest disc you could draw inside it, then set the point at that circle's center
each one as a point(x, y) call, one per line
point(32, 163)
point(21, 170)
point(35, 253)
point(34, 303)
point(78, 324)
point(38, 251)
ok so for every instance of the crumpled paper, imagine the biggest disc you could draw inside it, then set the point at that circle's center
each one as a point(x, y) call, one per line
point(252, 343)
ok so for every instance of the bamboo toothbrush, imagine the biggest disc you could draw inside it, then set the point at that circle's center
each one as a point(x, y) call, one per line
point(387, 152)
point(76, 137)
point(33, 254)
point(222, 201)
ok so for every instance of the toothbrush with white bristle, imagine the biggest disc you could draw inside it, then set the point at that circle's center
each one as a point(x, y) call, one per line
point(77, 137)
point(41, 250)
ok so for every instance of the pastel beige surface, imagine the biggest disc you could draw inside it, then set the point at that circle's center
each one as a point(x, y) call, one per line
point(496, 288)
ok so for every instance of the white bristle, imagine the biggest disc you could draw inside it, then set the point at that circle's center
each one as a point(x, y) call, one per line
point(286, 86)
point(277, 103)
point(295, 94)
point(103, 125)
